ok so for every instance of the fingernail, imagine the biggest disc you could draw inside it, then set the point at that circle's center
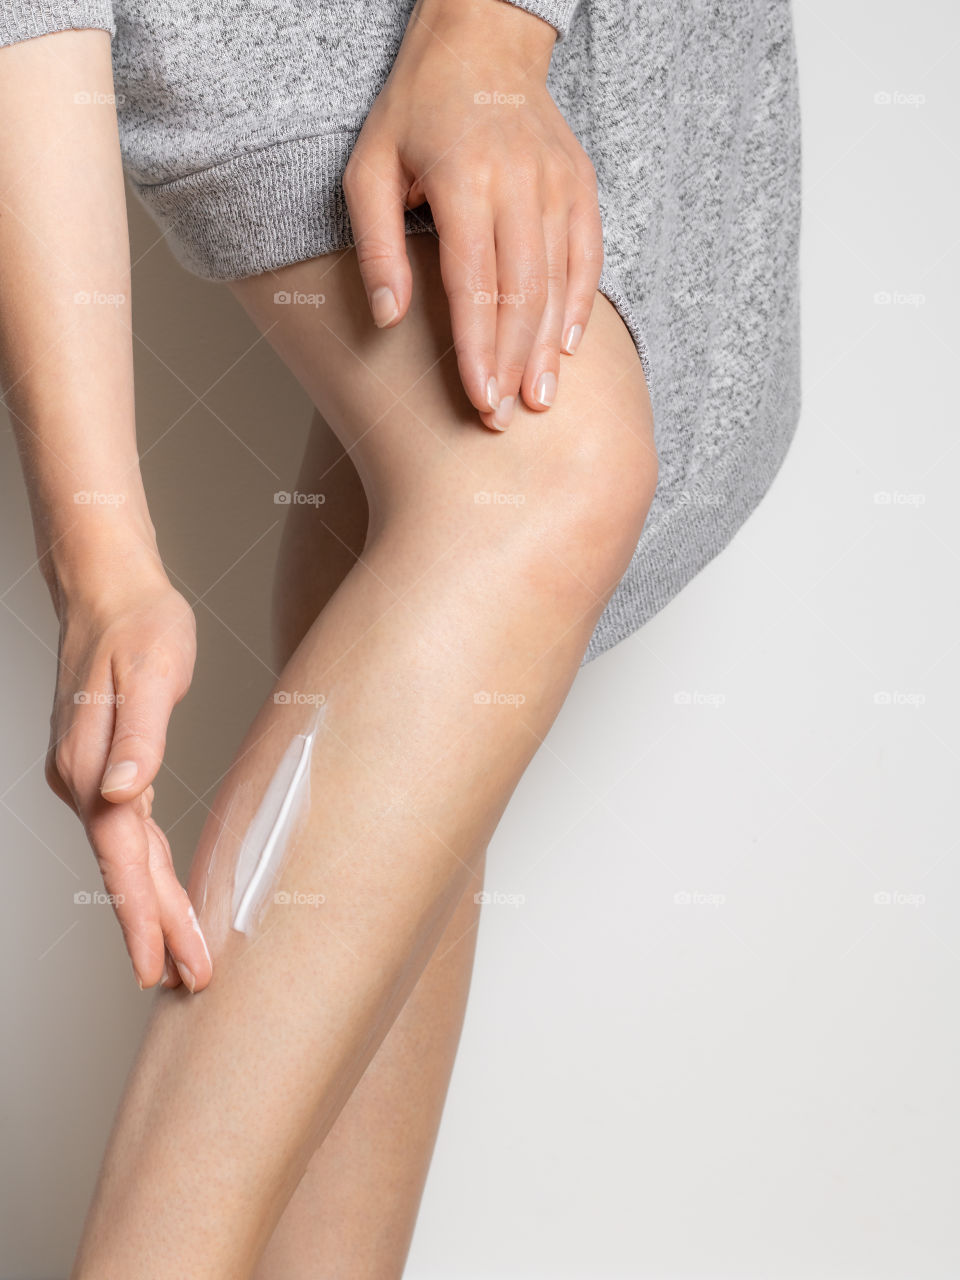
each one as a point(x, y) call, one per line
point(165, 976)
point(119, 776)
point(493, 393)
point(501, 419)
point(383, 305)
point(574, 334)
point(188, 978)
point(546, 388)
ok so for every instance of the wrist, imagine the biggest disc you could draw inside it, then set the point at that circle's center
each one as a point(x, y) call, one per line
point(103, 559)
point(493, 33)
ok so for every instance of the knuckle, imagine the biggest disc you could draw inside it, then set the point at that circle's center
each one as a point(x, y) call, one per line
point(466, 175)
point(479, 288)
point(372, 250)
point(353, 173)
point(153, 661)
point(61, 763)
point(556, 274)
point(526, 166)
point(513, 368)
point(589, 252)
point(533, 289)
point(585, 171)
point(52, 775)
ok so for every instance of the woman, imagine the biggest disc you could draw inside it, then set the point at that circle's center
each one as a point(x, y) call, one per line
point(492, 515)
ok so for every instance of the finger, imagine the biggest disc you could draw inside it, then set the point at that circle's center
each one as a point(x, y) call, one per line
point(185, 943)
point(584, 265)
point(115, 832)
point(146, 693)
point(375, 188)
point(144, 802)
point(171, 975)
point(119, 839)
point(468, 268)
point(81, 732)
point(54, 781)
point(521, 273)
point(540, 378)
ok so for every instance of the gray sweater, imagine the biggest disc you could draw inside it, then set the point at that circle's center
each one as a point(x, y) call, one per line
point(237, 118)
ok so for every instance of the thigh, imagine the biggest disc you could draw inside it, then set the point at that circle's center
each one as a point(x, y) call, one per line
point(394, 398)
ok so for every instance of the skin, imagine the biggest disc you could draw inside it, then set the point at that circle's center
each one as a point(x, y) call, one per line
point(354, 1210)
point(127, 638)
point(253, 1135)
point(512, 192)
point(233, 1092)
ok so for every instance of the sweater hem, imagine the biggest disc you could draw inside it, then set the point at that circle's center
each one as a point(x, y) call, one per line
point(284, 203)
point(27, 19)
point(690, 529)
point(274, 206)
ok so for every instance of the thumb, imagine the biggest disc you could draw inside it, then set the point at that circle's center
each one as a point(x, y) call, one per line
point(144, 705)
point(375, 189)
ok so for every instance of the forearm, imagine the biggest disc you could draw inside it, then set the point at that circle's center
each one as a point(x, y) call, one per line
point(65, 314)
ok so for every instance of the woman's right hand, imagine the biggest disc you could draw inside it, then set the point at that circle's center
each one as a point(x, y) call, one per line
point(123, 665)
point(66, 363)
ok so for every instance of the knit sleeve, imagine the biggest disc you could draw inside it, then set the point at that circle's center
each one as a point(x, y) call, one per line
point(23, 19)
point(559, 13)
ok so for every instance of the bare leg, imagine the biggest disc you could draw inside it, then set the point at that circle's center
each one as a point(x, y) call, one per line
point(456, 594)
point(355, 1208)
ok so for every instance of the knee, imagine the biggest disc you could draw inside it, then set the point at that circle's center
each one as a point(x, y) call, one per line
point(587, 512)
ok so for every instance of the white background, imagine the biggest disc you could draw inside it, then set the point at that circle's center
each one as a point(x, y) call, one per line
point(760, 1082)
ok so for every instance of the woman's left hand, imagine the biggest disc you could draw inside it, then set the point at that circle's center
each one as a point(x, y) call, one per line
point(465, 122)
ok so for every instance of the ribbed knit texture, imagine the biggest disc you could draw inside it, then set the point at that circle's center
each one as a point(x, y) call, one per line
point(237, 119)
point(23, 19)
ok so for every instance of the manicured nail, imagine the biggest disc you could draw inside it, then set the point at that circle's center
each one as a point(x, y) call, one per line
point(383, 305)
point(501, 419)
point(188, 978)
point(119, 776)
point(137, 976)
point(493, 393)
point(574, 334)
point(165, 976)
point(546, 388)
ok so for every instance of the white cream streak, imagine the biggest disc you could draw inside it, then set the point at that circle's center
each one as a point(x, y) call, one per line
point(266, 838)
